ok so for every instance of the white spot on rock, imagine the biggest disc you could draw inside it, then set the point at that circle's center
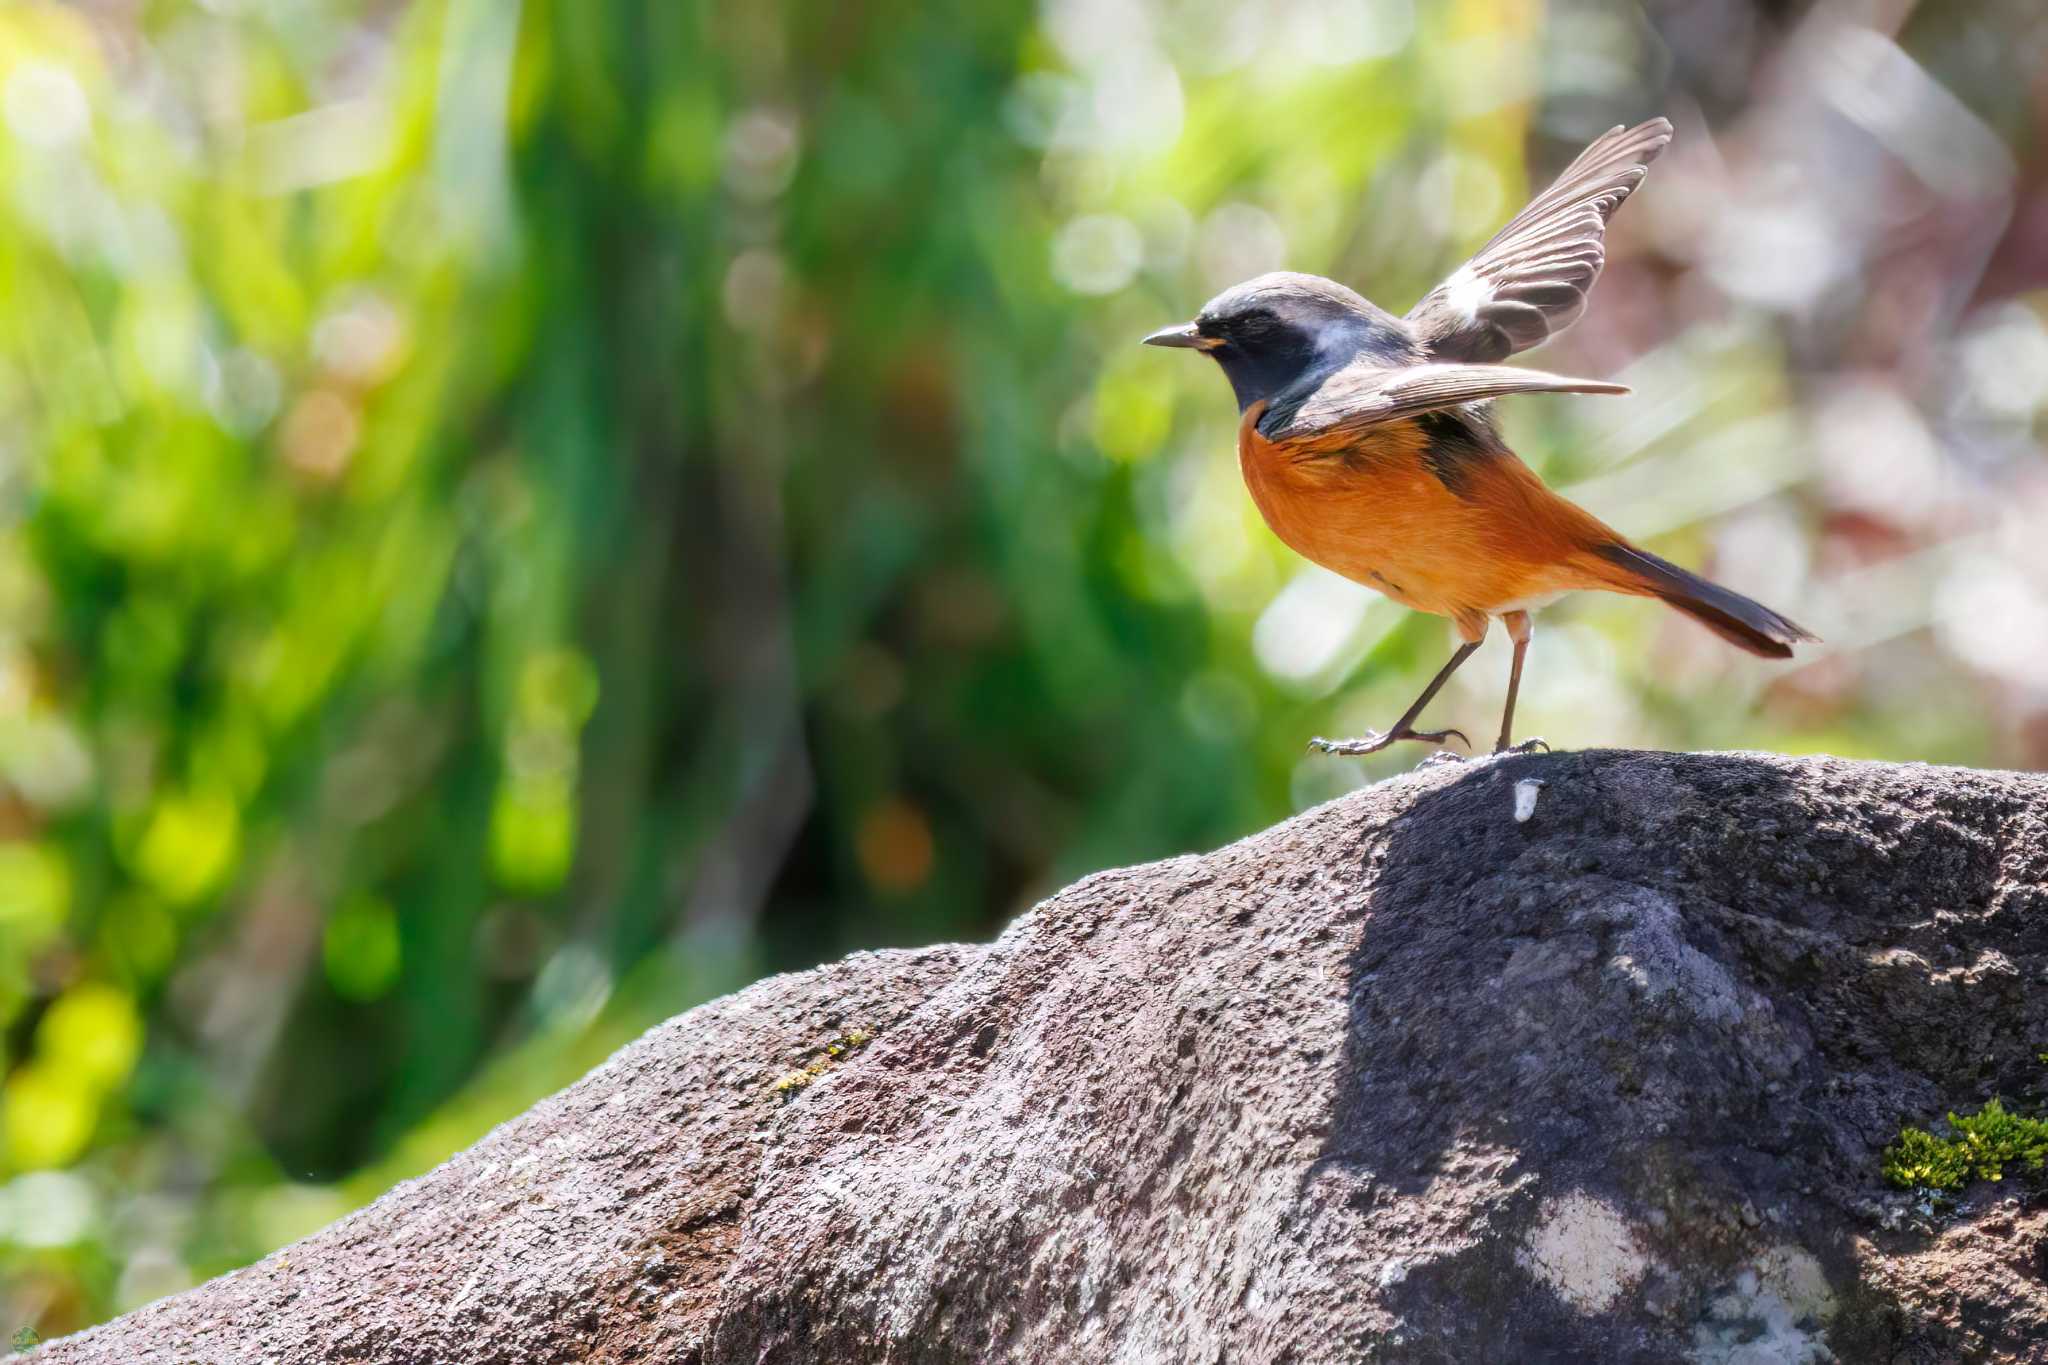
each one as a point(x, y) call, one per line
point(1526, 792)
point(1586, 1251)
point(1775, 1313)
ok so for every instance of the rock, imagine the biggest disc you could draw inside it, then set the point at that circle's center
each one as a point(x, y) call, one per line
point(595, 1226)
point(1411, 1077)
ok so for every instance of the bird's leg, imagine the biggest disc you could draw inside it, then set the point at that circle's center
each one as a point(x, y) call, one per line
point(1373, 743)
point(1519, 630)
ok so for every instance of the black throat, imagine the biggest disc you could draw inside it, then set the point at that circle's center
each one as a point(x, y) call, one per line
point(1288, 363)
point(1278, 364)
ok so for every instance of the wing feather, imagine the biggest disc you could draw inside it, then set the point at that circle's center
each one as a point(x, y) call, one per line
point(1362, 396)
point(1530, 282)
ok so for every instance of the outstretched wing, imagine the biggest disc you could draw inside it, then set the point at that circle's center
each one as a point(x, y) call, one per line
point(1530, 282)
point(1363, 395)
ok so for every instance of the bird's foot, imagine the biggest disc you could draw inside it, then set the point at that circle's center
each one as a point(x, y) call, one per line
point(1527, 746)
point(1372, 742)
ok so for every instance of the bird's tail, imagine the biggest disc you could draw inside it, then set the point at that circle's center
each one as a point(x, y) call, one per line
point(1730, 615)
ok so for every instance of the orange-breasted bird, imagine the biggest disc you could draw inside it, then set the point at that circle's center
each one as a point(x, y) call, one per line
point(1368, 443)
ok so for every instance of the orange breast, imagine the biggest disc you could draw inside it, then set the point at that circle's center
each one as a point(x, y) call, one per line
point(1378, 515)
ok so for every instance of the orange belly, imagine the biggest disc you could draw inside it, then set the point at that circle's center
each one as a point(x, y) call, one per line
point(1378, 515)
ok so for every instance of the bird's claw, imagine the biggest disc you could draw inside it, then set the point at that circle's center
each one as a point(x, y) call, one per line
point(1372, 741)
point(1527, 746)
point(1368, 743)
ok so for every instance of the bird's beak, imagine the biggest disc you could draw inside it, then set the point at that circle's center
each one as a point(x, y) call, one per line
point(1183, 335)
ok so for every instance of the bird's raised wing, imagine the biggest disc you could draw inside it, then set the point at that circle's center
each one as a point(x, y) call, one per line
point(1530, 282)
point(1361, 396)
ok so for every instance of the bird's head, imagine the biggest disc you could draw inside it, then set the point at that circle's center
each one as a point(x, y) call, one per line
point(1271, 332)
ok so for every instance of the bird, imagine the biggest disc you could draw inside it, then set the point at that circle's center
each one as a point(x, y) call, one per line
point(1368, 444)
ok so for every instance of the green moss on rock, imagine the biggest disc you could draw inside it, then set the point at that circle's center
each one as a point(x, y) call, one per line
point(1980, 1147)
point(790, 1082)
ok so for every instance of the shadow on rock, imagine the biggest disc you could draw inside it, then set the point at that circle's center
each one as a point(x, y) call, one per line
point(1619, 1073)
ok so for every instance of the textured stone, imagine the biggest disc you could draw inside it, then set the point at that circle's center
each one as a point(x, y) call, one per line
point(1426, 1074)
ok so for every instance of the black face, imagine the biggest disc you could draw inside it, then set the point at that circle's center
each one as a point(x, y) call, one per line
point(1262, 348)
point(1279, 331)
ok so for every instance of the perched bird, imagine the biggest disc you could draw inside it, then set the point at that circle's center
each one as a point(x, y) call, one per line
point(1368, 443)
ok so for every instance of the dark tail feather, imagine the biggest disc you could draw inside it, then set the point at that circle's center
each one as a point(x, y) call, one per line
point(1730, 615)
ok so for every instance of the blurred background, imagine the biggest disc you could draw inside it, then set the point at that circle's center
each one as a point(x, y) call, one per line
point(517, 518)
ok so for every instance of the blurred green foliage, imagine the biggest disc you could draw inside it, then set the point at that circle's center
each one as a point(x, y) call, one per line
point(519, 518)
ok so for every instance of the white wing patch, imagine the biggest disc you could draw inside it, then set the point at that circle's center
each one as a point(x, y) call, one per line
point(1467, 292)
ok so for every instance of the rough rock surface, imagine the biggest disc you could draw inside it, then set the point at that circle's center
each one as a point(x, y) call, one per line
point(1402, 1079)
